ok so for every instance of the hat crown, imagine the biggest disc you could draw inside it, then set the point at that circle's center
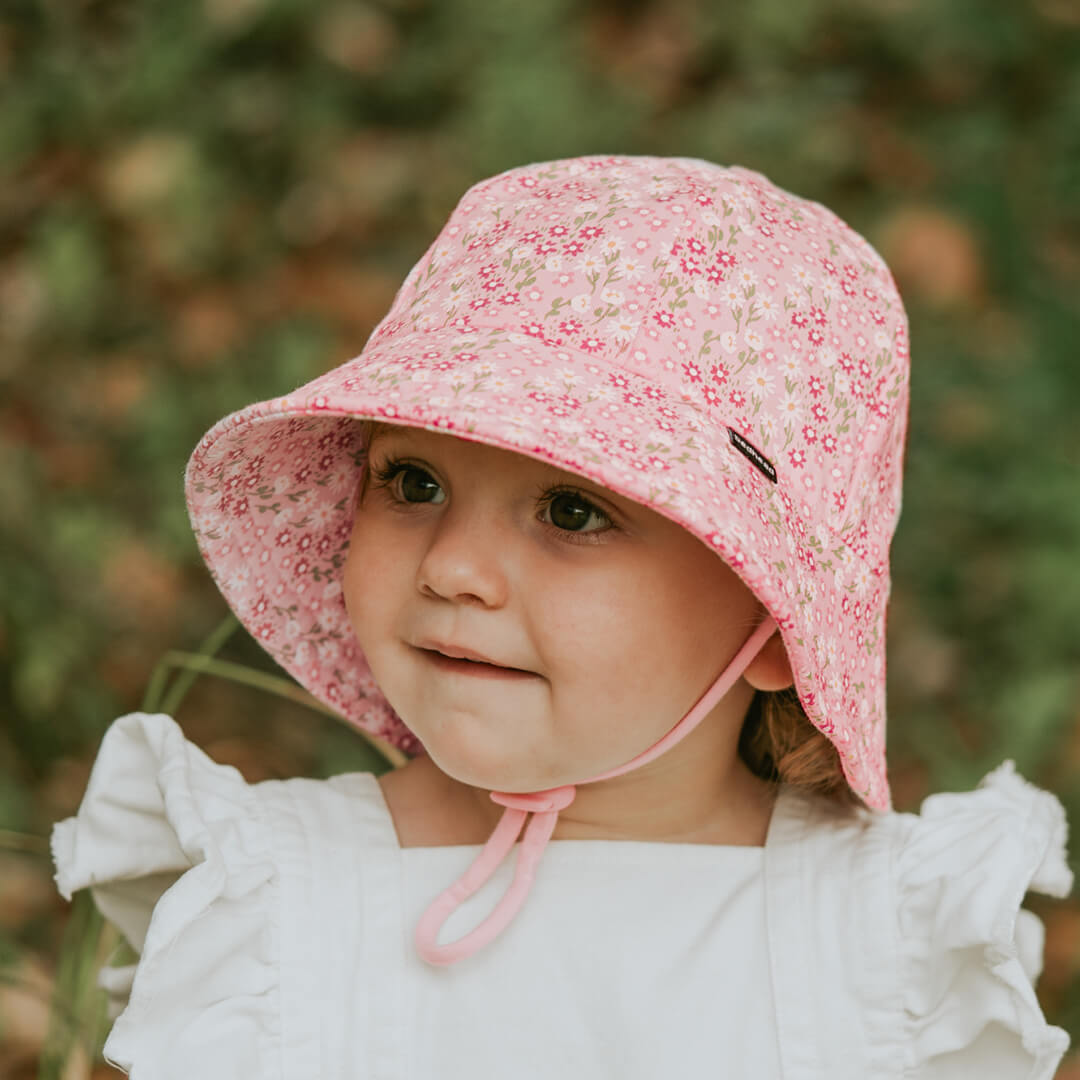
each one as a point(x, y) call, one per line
point(746, 302)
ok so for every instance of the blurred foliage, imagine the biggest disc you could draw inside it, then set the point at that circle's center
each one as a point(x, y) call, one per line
point(203, 204)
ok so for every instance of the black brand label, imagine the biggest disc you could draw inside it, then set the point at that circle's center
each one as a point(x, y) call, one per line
point(753, 453)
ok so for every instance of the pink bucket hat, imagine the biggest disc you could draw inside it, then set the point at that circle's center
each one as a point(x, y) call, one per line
point(688, 335)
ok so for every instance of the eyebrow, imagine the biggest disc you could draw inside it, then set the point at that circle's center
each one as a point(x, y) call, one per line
point(378, 429)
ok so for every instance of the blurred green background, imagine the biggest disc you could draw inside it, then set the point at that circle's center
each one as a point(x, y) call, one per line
point(207, 203)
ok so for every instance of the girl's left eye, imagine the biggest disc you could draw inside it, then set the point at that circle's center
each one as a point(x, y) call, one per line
point(571, 512)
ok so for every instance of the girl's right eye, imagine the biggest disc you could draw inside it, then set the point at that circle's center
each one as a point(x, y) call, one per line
point(408, 483)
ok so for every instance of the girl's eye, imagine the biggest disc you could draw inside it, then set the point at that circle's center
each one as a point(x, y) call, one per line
point(409, 483)
point(571, 512)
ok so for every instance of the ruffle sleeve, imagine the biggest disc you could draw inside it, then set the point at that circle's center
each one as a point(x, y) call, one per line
point(969, 953)
point(177, 857)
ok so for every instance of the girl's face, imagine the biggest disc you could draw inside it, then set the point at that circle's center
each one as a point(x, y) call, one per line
point(531, 627)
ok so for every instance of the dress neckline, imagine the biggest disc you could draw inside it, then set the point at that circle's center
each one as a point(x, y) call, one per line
point(781, 806)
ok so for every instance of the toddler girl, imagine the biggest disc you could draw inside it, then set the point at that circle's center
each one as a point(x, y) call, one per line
point(596, 529)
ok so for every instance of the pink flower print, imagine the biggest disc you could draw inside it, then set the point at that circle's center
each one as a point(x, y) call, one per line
point(664, 319)
point(690, 267)
point(558, 230)
point(592, 344)
point(745, 425)
point(710, 395)
point(530, 237)
point(628, 445)
point(695, 245)
point(818, 315)
point(493, 284)
point(719, 373)
point(828, 443)
point(641, 245)
point(725, 259)
point(846, 363)
point(819, 412)
point(511, 297)
point(479, 302)
point(865, 369)
point(444, 423)
point(692, 371)
point(653, 392)
point(617, 378)
point(830, 267)
point(809, 434)
point(533, 329)
point(545, 247)
point(815, 337)
point(797, 458)
point(714, 275)
point(632, 399)
point(573, 247)
point(815, 385)
point(799, 319)
point(590, 232)
point(657, 462)
point(737, 398)
point(570, 327)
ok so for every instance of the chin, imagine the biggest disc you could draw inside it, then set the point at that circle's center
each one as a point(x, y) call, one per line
point(482, 764)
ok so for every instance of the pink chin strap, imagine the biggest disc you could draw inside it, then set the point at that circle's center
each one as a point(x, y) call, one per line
point(544, 807)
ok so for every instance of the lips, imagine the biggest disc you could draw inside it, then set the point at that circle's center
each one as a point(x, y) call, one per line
point(467, 660)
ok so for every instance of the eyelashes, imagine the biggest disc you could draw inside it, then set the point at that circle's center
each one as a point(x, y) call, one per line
point(566, 510)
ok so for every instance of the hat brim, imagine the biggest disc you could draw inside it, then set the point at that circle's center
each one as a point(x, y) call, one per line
point(271, 492)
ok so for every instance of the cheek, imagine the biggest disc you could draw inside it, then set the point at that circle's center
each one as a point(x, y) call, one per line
point(367, 578)
point(648, 645)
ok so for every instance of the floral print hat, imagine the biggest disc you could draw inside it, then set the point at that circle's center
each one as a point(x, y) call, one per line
point(688, 335)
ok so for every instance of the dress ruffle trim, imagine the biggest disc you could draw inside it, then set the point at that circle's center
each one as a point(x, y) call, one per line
point(972, 953)
point(173, 847)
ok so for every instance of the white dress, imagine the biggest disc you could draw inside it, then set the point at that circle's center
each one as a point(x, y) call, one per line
point(274, 924)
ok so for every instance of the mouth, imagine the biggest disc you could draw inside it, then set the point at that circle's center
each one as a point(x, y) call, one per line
point(472, 665)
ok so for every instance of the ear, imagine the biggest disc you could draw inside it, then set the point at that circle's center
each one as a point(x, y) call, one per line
point(771, 668)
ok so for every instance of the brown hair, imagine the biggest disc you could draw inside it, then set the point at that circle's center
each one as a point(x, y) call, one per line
point(779, 743)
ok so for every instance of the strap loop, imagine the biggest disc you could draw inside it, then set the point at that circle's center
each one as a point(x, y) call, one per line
point(544, 807)
point(558, 798)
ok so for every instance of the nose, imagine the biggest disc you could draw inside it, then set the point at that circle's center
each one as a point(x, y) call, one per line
point(465, 561)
